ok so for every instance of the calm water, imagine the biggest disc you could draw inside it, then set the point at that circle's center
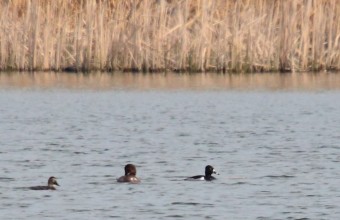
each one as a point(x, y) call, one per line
point(275, 140)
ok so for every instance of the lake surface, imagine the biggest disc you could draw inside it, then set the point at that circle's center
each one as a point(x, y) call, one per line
point(274, 139)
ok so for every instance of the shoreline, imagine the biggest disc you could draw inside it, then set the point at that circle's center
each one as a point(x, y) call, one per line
point(172, 81)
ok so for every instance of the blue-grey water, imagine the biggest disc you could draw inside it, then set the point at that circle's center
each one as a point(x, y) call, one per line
point(277, 151)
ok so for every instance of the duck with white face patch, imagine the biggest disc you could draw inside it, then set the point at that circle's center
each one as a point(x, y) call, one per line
point(51, 183)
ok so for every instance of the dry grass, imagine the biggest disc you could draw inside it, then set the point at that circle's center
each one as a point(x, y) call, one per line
point(157, 35)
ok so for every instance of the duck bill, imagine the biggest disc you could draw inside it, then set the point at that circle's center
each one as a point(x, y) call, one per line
point(56, 183)
point(214, 171)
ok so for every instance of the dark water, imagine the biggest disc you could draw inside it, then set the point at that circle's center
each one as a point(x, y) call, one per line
point(277, 150)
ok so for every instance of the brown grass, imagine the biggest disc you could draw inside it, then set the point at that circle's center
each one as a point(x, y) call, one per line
point(158, 35)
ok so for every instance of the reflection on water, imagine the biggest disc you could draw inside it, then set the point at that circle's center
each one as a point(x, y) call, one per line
point(277, 153)
point(172, 80)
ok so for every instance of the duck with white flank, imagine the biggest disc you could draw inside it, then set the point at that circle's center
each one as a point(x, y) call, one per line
point(209, 170)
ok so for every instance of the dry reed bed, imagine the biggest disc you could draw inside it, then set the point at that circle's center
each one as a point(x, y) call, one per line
point(157, 35)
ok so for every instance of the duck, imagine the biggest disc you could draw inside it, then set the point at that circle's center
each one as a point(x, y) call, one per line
point(52, 181)
point(209, 170)
point(130, 175)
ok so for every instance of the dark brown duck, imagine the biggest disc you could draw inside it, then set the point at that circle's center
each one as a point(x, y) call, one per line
point(130, 175)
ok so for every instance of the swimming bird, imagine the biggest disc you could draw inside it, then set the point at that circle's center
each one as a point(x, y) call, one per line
point(130, 175)
point(209, 170)
point(52, 181)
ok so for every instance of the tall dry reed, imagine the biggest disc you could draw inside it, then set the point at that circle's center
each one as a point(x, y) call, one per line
point(154, 35)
